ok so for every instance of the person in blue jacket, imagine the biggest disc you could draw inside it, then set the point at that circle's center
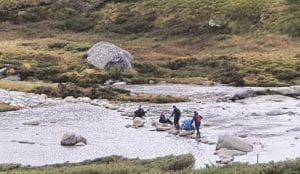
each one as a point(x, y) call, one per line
point(187, 125)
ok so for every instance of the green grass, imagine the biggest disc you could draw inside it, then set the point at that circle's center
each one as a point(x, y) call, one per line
point(170, 40)
point(170, 165)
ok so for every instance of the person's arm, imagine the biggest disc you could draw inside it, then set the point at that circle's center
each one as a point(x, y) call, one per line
point(193, 120)
point(173, 113)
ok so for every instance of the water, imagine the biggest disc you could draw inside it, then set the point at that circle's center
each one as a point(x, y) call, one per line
point(107, 135)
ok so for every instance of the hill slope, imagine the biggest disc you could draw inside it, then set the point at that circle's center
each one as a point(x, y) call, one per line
point(239, 42)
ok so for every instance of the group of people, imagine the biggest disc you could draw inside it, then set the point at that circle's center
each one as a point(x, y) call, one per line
point(187, 124)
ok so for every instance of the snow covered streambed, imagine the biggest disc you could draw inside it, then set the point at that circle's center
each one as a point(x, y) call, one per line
point(270, 123)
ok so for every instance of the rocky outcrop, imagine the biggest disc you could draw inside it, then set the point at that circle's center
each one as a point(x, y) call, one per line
point(138, 122)
point(70, 139)
point(233, 143)
point(105, 55)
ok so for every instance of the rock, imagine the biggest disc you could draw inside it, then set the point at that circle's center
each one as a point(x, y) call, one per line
point(296, 129)
point(226, 160)
point(243, 94)
point(204, 141)
point(233, 143)
point(174, 132)
point(275, 113)
point(128, 126)
point(85, 99)
point(138, 122)
point(151, 81)
point(127, 114)
point(109, 82)
point(186, 133)
point(163, 127)
point(26, 142)
point(2, 72)
point(105, 55)
point(226, 152)
point(12, 78)
point(70, 139)
point(70, 99)
point(120, 84)
point(113, 107)
point(32, 123)
point(243, 135)
point(162, 82)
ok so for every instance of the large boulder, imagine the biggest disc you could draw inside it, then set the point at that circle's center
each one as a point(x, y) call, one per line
point(71, 139)
point(105, 55)
point(138, 122)
point(233, 143)
point(243, 94)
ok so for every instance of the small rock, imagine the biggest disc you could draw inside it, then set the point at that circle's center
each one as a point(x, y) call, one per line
point(70, 99)
point(31, 123)
point(13, 78)
point(26, 142)
point(151, 81)
point(120, 84)
point(275, 113)
point(174, 132)
point(186, 133)
point(109, 82)
point(85, 100)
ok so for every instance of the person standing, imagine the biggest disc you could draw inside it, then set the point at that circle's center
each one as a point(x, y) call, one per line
point(197, 119)
point(176, 113)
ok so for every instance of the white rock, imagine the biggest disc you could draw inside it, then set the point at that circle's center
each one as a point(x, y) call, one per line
point(120, 84)
point(70, 99)
point(85, 99)
point(233, 143)
point(32, 123)
point(138, 122)
point(186, 132)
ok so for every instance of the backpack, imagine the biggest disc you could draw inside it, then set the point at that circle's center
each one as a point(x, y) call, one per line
point(198, 118)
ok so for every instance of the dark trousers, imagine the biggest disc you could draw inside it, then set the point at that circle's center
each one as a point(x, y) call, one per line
point(176, 122)
point(197, 125)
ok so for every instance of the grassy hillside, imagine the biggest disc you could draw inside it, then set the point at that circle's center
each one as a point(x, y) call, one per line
point(168, 165)
point(238, 42)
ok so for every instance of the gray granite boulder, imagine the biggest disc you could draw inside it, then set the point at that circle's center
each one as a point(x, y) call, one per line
point(71, 139)
point(105, 55)
point(233, 143)
point(243, 94)
point(138, 122)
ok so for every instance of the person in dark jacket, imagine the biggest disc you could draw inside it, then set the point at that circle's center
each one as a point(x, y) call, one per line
point(176, 113)
point(163, 119)
point(197, 119)
point(139, 113)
